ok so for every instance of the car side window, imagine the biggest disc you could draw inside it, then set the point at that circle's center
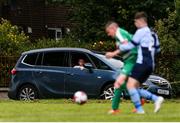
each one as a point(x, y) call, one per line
point(54, 59)
point(30, 59)
point(99, 64)
point(39, 59)
point(78, 59)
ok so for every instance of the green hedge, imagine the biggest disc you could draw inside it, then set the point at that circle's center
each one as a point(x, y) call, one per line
point(11, 39)
point(68, 42)
point(6, 65)
point(168, 62)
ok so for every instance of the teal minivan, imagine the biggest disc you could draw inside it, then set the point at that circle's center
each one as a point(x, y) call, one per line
point(51, 73)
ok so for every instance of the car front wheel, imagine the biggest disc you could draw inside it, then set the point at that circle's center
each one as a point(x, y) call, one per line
point(108, 92)
point(27, 92)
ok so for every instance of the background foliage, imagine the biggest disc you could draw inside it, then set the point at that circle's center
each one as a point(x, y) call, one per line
point(11, 39)
point(91, 15)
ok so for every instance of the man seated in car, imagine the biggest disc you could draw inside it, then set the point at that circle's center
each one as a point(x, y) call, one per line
point(81, 63)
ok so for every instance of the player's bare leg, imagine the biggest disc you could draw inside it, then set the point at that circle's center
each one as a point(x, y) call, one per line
point(135, 97)
point(119, 86)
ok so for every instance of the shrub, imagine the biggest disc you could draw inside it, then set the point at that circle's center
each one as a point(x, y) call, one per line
point(6, 65)
point(11, 39)
point(69, 42)
point(168, 59)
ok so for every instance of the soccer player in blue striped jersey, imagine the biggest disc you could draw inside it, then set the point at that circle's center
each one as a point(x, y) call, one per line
point(147, 46)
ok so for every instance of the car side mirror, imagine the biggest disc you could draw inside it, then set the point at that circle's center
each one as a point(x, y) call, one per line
point(89, 66)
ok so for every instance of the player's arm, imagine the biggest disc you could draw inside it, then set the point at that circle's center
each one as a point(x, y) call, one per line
point(112, 54)
point(133, 43)
point(157, 44)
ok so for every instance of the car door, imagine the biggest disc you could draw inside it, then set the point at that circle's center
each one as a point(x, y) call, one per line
point(50, 74)
point(80, 79)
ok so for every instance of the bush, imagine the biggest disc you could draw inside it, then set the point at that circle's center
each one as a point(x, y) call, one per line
point(49, 43)
point(11, 39)
point(6, 65)
point(168, 62)
point(69, 42)
point(103, 46)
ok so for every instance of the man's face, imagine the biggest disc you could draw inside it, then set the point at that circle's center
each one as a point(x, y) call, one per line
point(139, 22)
point(81, 62)
point(111, 31)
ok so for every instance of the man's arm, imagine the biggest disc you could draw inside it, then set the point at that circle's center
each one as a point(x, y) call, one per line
point(126, 47)
point(156, 43)
point(133, 43)
point(112, 54)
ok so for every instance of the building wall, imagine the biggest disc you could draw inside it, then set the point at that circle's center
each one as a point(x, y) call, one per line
point(36, 16)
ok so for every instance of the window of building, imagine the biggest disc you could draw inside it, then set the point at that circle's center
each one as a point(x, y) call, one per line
point(55, 33)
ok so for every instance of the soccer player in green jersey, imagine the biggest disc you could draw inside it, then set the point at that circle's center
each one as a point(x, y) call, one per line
point(122, 37)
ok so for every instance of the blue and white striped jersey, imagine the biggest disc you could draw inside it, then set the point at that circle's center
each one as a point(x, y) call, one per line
point(147, 44)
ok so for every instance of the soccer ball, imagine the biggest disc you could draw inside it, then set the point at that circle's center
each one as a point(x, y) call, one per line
point(80, 97)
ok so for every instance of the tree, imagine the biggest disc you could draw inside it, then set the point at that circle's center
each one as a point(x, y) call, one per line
point(177, 4)
point(168, 61)
point(11, 39)
point(2, 1)
point(90, 16)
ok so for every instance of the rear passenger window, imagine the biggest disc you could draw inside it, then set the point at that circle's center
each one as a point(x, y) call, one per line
point(55, 59)
point(31, 59)
point(39, 59)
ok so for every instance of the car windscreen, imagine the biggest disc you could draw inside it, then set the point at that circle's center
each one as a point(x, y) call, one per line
point(116, 63)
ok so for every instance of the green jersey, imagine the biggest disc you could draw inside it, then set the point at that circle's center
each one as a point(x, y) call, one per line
point(122, 36)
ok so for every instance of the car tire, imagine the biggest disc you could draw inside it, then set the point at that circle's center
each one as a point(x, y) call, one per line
point(27, 92)
point(108, 92)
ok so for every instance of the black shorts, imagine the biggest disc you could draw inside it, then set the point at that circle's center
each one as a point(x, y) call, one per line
point(141, 72)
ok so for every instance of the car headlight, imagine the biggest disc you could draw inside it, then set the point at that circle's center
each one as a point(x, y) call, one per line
point(145, 85)
point(161, 83)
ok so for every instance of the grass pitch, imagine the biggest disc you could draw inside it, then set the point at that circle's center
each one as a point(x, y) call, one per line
point(95, 110)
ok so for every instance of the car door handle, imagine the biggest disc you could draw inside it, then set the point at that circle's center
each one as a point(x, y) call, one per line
point(39, 72)
point(71, 74)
